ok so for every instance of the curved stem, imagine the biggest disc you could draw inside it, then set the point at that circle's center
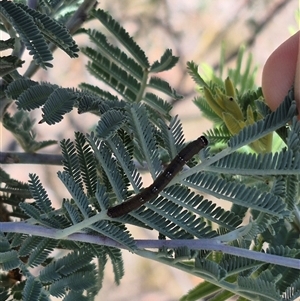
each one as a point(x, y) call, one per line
point(195, 244)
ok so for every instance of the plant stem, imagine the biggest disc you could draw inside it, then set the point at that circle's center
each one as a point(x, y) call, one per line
point(195, 244)
point(30, 158)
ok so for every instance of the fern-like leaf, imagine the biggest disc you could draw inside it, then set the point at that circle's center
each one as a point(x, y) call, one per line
point(161, 85)
point(219, 134)
point(192, 69)
point(125, 79)
point(73, 213)
point(157, 104)
point(110, 122)
point(20, 125)
point(115, 256)
point(31, 211)
point(58, 103)
point(105, 95)
point(161, 223)
point(32, 290)
point(108, 165)
point(41, 252)
point(29, 243)
point(76, 192)
point(210, 269)
point(143, 132)
point(18, 86)
point(114, 232)
point(91, 102)
point(114, 77)
point(207, 111)
point(173, 136)
point(254, 287)
point(167, 61)
point(125, 161)
point(35, 96)
point(115, 53)
point(283, 251)
point(53, 31)
point(9, 260)
point(102, 197)
point(9, 63)
point(238, 265)
point(64, 266)
point(190, 223)
point(292, 292)
point(124, 38)
point(293, 139)
point(205, 208)
point(237, 193)
point(292, 190)
point(7, 44)
point(29, 33)
point(39, 194)
point(87, 163)
point(78, 282)
point(270, 123)
point(70, 160)
point(283, 162)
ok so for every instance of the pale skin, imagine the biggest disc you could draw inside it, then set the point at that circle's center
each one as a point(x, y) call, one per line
point(281, 71)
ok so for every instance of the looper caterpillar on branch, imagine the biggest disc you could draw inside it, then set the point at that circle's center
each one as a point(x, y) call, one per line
point(161, 181)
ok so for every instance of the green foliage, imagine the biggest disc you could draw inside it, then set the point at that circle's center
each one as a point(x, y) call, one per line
point(21, 126)
point(35, 29)
point(230, 108)
point(100, 170)
point(9, 64)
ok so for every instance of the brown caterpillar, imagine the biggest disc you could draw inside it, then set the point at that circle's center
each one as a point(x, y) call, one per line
point(161, 181)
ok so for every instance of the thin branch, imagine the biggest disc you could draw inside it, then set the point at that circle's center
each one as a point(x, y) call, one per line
point(195, 244)
point(48, 159)
point(27, 158)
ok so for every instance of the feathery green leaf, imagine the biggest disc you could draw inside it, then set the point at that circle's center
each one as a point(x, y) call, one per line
point(123, 37)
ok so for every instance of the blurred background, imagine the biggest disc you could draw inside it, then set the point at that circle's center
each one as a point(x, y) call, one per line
point(194, 30)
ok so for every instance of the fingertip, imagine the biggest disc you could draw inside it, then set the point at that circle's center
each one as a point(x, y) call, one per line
point(279, 71)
